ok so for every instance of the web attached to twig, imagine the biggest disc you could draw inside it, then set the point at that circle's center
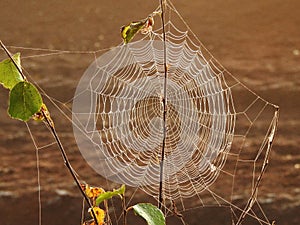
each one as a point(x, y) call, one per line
point(219, 133)
point(207, 125)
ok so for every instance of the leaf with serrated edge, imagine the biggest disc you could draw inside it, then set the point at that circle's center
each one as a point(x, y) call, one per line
point(9, 74)
point(24, 101)
point(150, 213)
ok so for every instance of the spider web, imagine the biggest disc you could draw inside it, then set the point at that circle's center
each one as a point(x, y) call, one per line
point(206, 125)
point(216, 128)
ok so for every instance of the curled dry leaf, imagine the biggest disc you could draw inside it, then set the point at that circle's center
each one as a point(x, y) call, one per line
point(39, 116)
point(100, 215)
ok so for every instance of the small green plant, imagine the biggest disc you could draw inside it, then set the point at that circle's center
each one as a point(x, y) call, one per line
point(25, 103)
point(98, 196)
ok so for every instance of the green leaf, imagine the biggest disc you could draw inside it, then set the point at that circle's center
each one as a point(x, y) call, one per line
point(150, 213)
point(128, 32)
point(24, 101)
point(9, 74)
point(110, 194)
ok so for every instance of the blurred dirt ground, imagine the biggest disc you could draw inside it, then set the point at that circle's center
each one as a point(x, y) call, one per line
point(257, 41)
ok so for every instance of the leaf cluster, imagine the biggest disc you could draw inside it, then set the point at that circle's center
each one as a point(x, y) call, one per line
point(150, 213)
point(24, 98)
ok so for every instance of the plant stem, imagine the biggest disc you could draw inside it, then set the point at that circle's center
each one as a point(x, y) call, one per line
point(124, 210)
point(10, 56)
point(251, 201)
point(160, 199)
point(53, 131)
point(68, 165)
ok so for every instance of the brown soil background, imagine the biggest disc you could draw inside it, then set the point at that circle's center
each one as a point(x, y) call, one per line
point(257, 41)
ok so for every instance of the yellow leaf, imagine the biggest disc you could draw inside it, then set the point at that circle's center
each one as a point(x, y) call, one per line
point(129, 31)
point(144, 26)
point(100, 215)
point(92, 192)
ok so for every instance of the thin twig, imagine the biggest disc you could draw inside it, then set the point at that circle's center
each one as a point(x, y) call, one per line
point(124, 210)
point(53, 131)
point(10, 56)
point(164, 100)
point(108, 220)
point(271, 136)
point(68, 165)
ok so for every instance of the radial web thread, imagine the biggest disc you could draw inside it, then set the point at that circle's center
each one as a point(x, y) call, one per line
point(219, 132)
point(208, 127)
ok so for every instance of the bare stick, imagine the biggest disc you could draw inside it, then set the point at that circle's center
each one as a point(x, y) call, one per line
point(271, 136)
point(164, 101)
point(124, 210)
point(67, 164)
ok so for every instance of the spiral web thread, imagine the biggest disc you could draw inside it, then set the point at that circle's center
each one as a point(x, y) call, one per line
point(206, 124)
point(219, 132)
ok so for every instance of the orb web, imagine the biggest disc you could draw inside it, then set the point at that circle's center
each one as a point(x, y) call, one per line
point(219, 132)
point(124, 121)
point(212, 123)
